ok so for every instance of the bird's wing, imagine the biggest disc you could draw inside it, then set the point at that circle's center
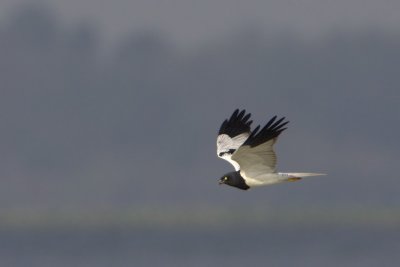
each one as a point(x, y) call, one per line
point(232, 134)
point(256, 156)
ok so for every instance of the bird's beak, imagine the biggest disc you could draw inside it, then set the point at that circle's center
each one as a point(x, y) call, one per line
point(220, 182)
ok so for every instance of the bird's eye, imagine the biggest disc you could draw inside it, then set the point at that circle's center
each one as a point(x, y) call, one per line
point(225, 178)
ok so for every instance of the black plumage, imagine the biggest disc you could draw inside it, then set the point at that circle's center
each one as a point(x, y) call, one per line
point(234, 179)
point(271, 130)
point(237, 124)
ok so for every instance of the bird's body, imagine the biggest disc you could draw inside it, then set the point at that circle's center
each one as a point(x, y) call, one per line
point(251, 152)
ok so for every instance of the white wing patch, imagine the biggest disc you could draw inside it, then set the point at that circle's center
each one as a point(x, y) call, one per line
point(226, 143)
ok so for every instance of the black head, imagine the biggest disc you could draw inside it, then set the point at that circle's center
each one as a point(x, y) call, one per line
point(234, 179)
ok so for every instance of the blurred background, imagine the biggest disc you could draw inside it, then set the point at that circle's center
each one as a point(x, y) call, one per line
point(109, 112)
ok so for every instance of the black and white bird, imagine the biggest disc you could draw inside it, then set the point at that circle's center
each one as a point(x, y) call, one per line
point(251, 152)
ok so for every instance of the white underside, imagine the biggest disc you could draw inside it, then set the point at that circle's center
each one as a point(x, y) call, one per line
point(264, 179)
point(274, 178)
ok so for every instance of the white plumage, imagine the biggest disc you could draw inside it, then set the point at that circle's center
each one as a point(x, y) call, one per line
point(226, 144)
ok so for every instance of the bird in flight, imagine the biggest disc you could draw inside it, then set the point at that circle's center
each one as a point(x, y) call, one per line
point(251, 152)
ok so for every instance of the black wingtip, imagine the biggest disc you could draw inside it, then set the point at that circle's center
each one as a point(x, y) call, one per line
point(271, 130)
point(237, 124)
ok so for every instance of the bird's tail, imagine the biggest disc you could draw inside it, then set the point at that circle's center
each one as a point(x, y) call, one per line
point(295, 176)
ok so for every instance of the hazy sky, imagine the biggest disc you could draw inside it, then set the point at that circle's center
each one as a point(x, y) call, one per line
point(191, 21)
point(138, 129)
point(106, 164)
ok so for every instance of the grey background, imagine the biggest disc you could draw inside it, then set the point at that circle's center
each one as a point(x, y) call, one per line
point(193, 22)
point(136, 126)
point(109, 111)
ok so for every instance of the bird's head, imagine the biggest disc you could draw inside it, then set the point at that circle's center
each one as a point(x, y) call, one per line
point(233, 179)
point(224, 179)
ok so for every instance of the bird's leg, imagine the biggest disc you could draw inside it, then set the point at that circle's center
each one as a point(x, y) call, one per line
point(293, 179)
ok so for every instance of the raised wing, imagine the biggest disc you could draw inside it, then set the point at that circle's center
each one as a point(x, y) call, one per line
point(256, 156)
point(232, 134)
